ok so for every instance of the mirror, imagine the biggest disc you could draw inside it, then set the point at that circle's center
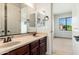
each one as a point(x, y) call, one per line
point(20, 18)
point(2, 19)
point(13, 18)
point(16, 18)
point(31, 19)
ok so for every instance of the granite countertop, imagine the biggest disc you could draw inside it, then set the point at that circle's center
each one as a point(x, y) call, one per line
point(23, 40)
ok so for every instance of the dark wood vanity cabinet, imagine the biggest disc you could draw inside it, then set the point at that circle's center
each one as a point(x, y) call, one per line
point(43, 46)
point(20, 51)
point(23, 50)
point(34, 46)
point(38, 47)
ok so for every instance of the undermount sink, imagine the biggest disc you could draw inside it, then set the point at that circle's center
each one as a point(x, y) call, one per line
point(36, 36)
point(9, 44)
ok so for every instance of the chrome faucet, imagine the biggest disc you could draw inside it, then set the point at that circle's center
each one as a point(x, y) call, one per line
point(6, 39)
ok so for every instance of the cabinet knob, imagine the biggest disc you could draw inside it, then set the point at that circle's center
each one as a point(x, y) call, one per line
point(2, 31)
point(8, 31)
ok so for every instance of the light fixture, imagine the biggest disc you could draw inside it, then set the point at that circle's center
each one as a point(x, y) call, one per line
point(46, 18)
point(29, 4)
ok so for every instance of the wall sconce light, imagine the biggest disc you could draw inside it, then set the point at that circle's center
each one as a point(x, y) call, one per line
point(46, 18)
point(28, 20)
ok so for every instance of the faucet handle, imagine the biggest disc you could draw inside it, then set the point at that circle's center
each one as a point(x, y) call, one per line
point(5, 40)
point(8, 39)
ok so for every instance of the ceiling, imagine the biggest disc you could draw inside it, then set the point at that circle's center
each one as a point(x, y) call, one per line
point(59, 8)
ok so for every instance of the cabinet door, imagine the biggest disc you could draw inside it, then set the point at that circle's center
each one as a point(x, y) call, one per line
point(23, 50)
point(34, 44)
point(35, 51)
point(10, 53)
point(20, 51)
point(34, 47)
point(42, 49)
point(43, 42)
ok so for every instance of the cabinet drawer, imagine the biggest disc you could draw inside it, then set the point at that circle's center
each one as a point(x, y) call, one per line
point(34, 44)
point(10, 53)
point(20, 51)
point(43, 40)
point(23, 50)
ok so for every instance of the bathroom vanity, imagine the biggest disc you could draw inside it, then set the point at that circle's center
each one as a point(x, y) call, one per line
point(29, 45)
point(16, 19)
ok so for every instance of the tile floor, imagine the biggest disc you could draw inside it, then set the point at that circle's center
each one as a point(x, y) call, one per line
point(62, 46)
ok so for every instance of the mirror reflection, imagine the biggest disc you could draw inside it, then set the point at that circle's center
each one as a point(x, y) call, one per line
point(16, 18)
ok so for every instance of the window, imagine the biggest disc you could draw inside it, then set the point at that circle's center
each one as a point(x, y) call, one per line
point(65, 24)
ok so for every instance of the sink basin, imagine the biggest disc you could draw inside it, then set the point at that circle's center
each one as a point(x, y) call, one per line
point(9, 44)
point(36, 36)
